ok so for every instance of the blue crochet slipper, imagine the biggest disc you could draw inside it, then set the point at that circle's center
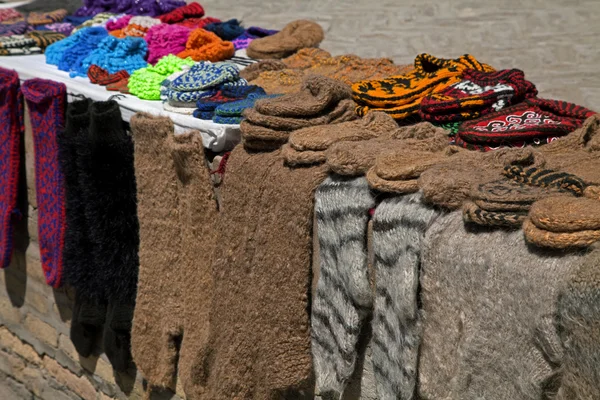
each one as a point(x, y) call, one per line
point(204, 75)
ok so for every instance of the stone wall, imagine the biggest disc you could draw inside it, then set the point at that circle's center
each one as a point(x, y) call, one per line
point(37, 358)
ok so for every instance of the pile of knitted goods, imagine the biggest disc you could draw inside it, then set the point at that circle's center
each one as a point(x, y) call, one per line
point(321, 101)
point(114, 55)
point(137, 26)
point(182, 89)
point(34, 42)
point(15, 23)
point(203, 45)
point(140, 7)
point(68, 54)
point(228, 103)
point(286, 75)
point(145, 83)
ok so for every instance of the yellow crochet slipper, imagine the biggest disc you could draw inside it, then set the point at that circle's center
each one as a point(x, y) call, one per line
point(429, 75)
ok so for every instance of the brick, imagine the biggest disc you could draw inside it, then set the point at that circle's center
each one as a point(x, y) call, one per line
point(78, 384)
point(102, 396)
point(36, 297)
point(104, 370)
point(41, 330)
point(179, 389)
point(9, 314)
point(11, 389)
point(34, 265)
point(10, 364)
point(65, 344)
point(49, 393)
point(13, 344)
point(32, 223)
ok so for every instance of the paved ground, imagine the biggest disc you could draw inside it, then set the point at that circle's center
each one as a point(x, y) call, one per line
point(556, 42)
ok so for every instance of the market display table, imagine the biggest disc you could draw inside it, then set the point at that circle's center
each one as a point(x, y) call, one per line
point(216, 137)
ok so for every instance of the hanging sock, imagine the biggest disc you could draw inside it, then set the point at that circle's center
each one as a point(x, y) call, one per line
point(11, 129)
point(46, 101)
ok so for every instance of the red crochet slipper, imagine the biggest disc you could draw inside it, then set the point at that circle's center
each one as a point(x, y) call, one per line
point(193, 10)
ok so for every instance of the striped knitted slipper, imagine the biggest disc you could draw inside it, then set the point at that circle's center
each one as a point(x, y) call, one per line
point(11, 110)
point(46, 101)
point(36, 18)
point(204, 75)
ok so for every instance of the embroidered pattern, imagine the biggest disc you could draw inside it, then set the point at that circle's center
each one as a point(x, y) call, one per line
point(511, 122)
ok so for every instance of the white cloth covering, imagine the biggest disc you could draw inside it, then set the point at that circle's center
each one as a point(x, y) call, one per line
point(216, 137)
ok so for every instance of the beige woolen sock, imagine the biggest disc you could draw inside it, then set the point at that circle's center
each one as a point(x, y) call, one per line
point(197, 216)
point(316, 95)
point(321, 137)
point(355, 158)
point(158, 316)
point(340, 112)
point(295, 158)
point(259, 343)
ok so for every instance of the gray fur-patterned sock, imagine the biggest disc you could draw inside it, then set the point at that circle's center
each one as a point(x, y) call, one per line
point(399, 225)
point(343, 297)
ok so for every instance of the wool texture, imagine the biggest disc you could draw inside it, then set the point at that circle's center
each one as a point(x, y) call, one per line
point(11, 113)
point(343, 298)
point(488, 317)
point(295, 158)
point(259, 345)
point(293, 37)
point(192, 10)
point(206, 46)
point(165, 39)
point(226, 30)
point(578, 314)
point(46, 101)
point(254, 32)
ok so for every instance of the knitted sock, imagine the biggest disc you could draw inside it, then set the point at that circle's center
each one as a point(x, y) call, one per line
point(197, 211)
point(320, 138)
point(449, 182)
point(295, 158)
point(566, 214)
point(293, 37)
point(430, 74)
point(343, 111)
point(343, 297)
point(355, 158)
point(259, 336)
point(280, 82)
point(577, 318)
point(46, 101)
point(45, 39)
point(192, 10)
point(206, 115)
point(11, 109)
point(157, 321)
point(114, 78)
point(254, 32)
point(488, 325)
point(86, 323)
point(478, 93)
point(117, 335)
point(204, 75)
point(399, 224)
point(227, 30)
point(316, 95)
point(95, 73)
point(206, 46)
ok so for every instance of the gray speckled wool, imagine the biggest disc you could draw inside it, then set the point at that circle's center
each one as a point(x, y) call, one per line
point(488, 303)
point(399, 225)
point(343, 297)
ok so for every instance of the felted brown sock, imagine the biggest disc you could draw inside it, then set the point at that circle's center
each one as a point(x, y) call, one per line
point(355, 158)
point(259, 324)
point(316, 95)
point(295, 158)
point(197, 215)
point(449, 183)
point(578, 319)
point(318, 138)
point(343, 111)
point(559, 240)
point(158, 315)
point(566, 214)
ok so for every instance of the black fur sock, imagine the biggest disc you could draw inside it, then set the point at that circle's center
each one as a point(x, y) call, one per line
point(86, 324)
point(117, 335)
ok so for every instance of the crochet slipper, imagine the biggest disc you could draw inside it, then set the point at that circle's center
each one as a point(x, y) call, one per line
point(294, 157)
point(257, 133)
point(402, 187)
point(204, 75)
point(562, 240)
point(235, 108)
point(206, 46)
point(566, 214)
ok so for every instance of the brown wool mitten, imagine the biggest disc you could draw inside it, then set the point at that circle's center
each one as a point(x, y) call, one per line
point(317, 94)
point(293, 37)
point(158, 315)
point(197, 215)
point(355, 158)
point(259, 343)
point(449, 183)
point(578, 318)
point(295, 158)
point(341, 112)
point(321, 137)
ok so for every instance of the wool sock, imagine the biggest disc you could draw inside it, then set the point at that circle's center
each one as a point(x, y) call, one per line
point(293, 37)
point(11, 108)
point(259, 343)
point(117, 334)
point(355, 158)
point(321, 137)
point(399, 224)
point(206, 46)
point(204, 75)
point(316, 95)
point(488, 316)
point(343, 297)
point(86, 323)
point(429, 74)
point(158, 319)
point(295, 158)
point(341, 112)
point(449, 182)
point(477, 93)
point(197, 212)
point(47, 101)
point(577, 318)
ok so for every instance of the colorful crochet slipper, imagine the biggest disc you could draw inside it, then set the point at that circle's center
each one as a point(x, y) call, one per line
point(227, 95)
point(47, 102)
point(192, 10)
point(217, 119)
point(254, 32)
point(11, 109)
point(206, 46)
point(235, 108)
point(204, 75)
point(120, 86)
point(534, 121)
point(227, 30)
point(35, 18)
point(401, 95)
point(478, 93)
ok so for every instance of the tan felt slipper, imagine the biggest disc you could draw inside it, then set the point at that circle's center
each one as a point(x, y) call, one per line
point(294, 157)
point(566, 214)
point(403, 187)
point(544, 238)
